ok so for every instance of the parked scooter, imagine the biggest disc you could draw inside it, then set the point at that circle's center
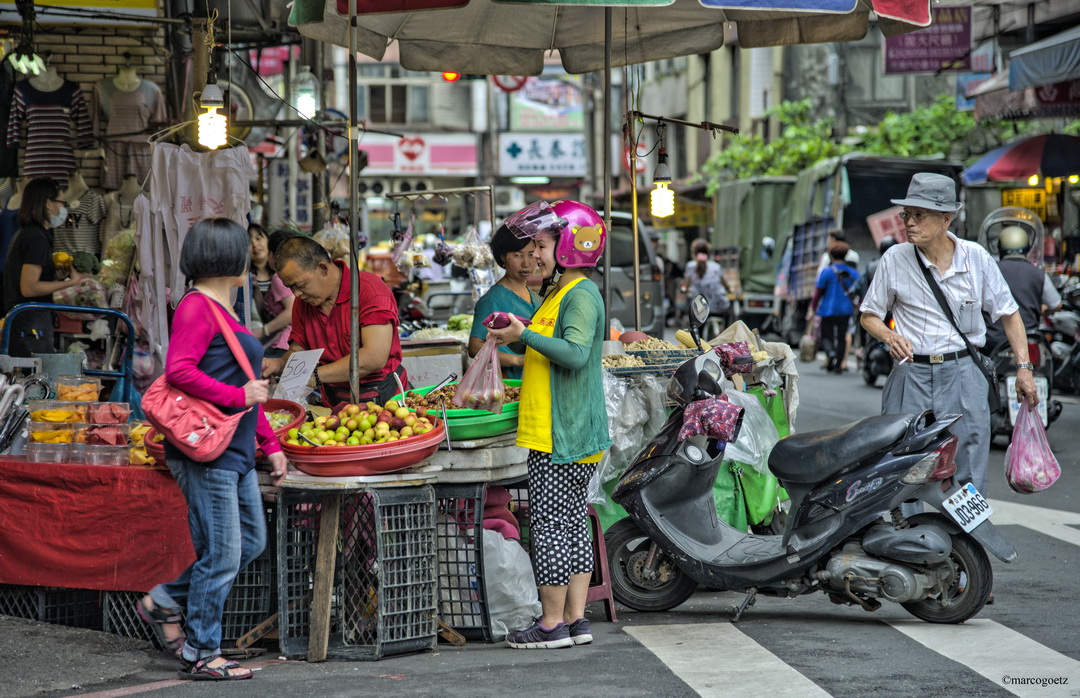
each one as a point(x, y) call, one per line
point(845, 534)
point(1062, 331)
point(1001, 423)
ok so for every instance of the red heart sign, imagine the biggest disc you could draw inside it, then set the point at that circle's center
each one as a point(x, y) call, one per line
point(412, 148)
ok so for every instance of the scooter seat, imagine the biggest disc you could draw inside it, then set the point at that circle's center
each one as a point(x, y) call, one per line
point(814, 456)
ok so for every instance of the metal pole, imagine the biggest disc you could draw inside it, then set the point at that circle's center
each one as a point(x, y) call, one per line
point(634, 223)
point(354, 247)
point(607, 167)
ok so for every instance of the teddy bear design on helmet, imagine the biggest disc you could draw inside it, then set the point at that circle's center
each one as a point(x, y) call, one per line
point(580, 230)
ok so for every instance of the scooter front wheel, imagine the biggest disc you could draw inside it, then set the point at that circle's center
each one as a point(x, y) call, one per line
point(968, 580)
point(633, 583)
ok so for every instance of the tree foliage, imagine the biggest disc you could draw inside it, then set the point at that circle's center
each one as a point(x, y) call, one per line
point(936, 130)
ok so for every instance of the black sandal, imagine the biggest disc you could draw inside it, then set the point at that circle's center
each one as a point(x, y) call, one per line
point(156, 617)
point(201, 671)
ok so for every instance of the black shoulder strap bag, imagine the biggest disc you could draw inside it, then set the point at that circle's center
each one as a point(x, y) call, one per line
point(985, 363)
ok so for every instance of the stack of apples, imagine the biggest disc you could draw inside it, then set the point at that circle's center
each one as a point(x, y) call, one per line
point(360, 425)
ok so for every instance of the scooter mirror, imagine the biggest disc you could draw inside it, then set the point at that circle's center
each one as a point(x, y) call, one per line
point(699, 310)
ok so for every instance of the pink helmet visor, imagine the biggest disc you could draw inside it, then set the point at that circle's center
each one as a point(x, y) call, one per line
point(536, 219)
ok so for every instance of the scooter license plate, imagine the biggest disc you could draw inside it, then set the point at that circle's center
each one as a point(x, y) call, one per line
point(1042, 387)
point(968, 507)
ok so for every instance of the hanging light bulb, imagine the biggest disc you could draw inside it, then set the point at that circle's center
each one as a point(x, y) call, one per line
point(306, 93)
point(213, 127)
point(662, 199)
point(1033, 180)
point(1074, 179)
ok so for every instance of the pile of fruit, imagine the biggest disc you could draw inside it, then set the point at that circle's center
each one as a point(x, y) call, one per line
point(445, 396)
point(81, 392)
point(359, 425)
point(279, 418)
point(108, 413)
point(652, 344)
point(65, 414)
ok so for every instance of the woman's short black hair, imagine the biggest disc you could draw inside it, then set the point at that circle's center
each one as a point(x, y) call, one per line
point(301, 251)
point(503, 242)
point(700, 245)
point(215, 247)
point(35, 198)
point(256, 228)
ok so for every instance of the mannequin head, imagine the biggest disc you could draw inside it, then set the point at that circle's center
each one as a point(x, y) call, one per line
point(130, 185)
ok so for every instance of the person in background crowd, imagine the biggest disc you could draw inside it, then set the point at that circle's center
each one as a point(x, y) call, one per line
point(30, 276)
point(835, 238)
point(321, 320)
point(225, 509)
point(932, 368)
point(1030, 286)
point(563, 421)
point(832, 303)
point(510, 294)
point(704, 276)
point(269, 295)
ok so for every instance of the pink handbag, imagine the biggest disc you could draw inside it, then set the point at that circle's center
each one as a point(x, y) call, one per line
point(195, 426)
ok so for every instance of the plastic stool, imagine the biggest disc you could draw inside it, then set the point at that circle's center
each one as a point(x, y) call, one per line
point(600, 584)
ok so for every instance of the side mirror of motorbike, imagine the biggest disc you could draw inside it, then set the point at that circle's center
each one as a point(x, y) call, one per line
point(699, 310)
point(707, 383)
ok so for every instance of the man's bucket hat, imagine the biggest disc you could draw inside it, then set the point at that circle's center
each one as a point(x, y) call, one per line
point(931, 191)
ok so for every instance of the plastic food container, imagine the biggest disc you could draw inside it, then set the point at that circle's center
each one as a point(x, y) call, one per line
point(370, 459)
point(457, 412)
point(102, 434)
point(78, 388)
point(108, 413)
point(77, 454)
point(48, 453)
point(57, 411)
point(51, 432)
point(107, 455)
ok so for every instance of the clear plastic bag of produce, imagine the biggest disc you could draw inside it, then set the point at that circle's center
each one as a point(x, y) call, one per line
point(635, 410)
point(400, 256)
point(335, 239)
point(482, 386)
point(756, 437)
point(472, 253)
point(1030, 465)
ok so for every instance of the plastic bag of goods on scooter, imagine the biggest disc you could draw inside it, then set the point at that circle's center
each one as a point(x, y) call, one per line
point(1030, 465)
point(481, 387)
point(758, 434)
point(510, 585)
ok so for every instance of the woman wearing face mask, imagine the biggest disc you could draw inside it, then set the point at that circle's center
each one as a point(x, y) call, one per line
point(29, 273)
point(509, 295)
point(563, 420)
point(704, 276)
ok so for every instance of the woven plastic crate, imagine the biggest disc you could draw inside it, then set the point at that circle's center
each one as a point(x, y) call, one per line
point(459, 535)
point(385, 580)
point(252, 600)
point(75, 608)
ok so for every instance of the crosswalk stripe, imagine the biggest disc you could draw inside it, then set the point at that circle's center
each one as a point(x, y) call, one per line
point(690, 652)
point(1051, 522)
point(1003, 656)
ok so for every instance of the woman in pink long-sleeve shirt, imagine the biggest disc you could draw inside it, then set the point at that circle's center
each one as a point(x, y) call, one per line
point(228, 528)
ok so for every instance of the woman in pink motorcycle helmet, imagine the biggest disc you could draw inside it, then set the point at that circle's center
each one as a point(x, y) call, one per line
point(562, 418)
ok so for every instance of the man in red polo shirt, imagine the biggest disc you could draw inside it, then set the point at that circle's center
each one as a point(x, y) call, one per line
point(322, 320)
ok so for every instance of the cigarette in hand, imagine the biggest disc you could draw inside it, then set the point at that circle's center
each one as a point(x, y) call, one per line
point(904, 360)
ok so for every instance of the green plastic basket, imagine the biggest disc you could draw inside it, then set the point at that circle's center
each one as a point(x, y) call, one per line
point(460, 413)
point(464, 428)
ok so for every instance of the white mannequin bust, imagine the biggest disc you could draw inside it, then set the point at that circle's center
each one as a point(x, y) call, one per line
point(16, 199)
point(75, 190)
point(127, 79)
point(49, 81)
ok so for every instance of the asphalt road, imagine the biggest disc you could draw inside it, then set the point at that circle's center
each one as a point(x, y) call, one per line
point(800, 647)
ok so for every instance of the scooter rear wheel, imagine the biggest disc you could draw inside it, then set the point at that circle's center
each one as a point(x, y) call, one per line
point(971, 580)
point(632, 586)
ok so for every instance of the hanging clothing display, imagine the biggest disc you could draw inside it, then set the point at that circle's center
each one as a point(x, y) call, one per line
point(9, 156)
point(125, 117)
point(82, 232)
point(185, 187)
point(55, 122)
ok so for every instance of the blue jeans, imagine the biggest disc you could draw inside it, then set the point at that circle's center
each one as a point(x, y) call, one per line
point(228, 531)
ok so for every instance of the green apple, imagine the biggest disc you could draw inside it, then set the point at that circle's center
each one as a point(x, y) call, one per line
point(294, 434)
point(353, 441)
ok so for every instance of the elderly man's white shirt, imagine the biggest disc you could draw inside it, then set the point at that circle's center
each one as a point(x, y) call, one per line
point(972, 285)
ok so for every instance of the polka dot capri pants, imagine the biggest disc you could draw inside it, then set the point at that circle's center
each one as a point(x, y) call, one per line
point(558, 508)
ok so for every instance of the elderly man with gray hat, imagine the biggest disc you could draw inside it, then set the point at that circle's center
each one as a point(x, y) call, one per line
point(935, 364)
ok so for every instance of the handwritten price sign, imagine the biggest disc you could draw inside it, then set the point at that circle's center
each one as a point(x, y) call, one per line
point(294, 377)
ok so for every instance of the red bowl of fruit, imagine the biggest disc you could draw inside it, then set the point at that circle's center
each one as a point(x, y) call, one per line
point(363, 440)
point(155, 445)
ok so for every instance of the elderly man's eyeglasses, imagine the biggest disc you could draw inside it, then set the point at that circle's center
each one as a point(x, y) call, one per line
point(916, 216)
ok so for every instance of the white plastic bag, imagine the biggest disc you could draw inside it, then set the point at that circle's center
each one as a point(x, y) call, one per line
point(510, 584)
point(757, 436)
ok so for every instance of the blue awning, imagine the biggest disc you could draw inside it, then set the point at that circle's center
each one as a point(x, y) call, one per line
point(1054, 59)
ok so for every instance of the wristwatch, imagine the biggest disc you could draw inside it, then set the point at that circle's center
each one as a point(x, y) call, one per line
point(1025, 364)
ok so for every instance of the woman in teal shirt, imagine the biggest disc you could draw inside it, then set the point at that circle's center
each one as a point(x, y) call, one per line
point(510, 295)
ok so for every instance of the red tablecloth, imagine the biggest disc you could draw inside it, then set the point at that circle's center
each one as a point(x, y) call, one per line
point(90, 527)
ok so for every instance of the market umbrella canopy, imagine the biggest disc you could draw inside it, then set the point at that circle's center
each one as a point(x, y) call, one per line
point(1049, 155)
point(511, 37)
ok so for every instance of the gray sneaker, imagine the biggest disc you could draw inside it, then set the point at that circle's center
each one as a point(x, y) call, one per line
point(536, 637)
point(580, 632)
